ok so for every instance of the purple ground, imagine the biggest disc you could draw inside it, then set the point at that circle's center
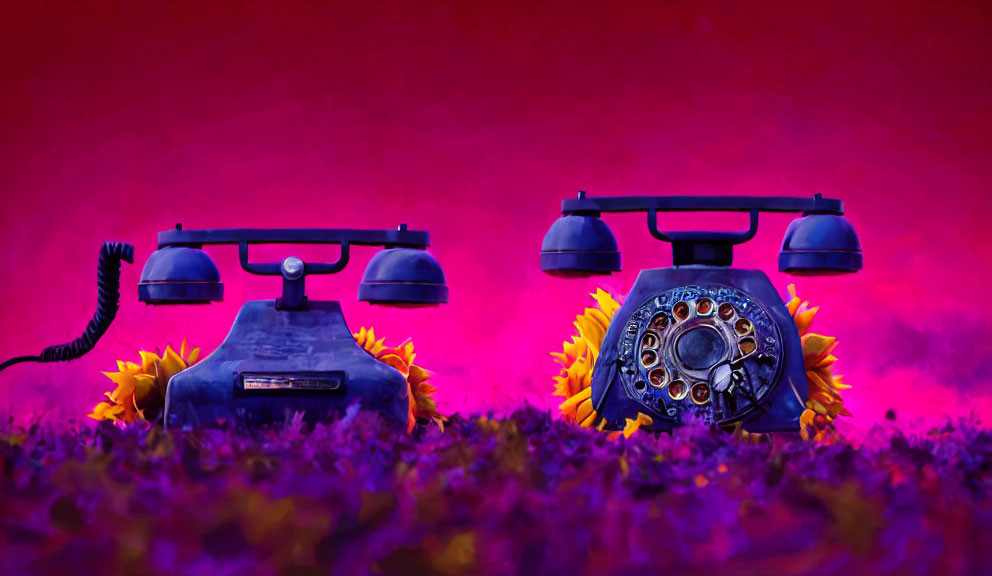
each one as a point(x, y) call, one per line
point(520, 495)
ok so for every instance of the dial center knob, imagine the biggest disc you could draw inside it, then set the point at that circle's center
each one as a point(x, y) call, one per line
point(700, 348)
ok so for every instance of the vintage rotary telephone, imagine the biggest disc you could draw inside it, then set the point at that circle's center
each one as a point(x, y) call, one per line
point(702, 337)
point(289, 354)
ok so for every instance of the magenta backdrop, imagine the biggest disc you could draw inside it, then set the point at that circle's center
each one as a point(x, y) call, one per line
point(473, 123)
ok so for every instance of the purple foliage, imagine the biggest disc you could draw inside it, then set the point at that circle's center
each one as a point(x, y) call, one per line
point(518, 495)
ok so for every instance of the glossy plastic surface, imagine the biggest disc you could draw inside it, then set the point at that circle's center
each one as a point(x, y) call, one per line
point(180, 275)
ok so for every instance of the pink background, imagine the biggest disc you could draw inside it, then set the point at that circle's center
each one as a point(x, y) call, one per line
point(473, 122)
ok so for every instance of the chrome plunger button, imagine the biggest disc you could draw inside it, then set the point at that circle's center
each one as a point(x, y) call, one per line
point(293, 268)
point(700, 348)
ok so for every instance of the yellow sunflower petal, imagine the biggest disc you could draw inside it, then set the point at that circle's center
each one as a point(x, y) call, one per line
point(633, 425)
point(361, 336)
point(125, 388)
point(425, 406)
point(589, 420)
point(590, 330)
point(816, 348)
point(172, 362)
point(395, 361)
point(584, 410)
point(606, 302)
point(816, 406)
point(148, 361)
point(404, 351)
point(366, 339)
point(576, 399)
point(817, 380)
point(101, 411)
point(804, 318)
point(423, 388)
point(793, 304)
point(571, 351)
point(585, 382)
point(146, 385)
point(597, 316)
point(575, 375)
point(836, 408)
point(120, 378)
point(418, 374)
point(828, 360)
point(837, 384)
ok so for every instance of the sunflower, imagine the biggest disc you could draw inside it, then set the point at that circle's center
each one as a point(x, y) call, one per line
point(420, 392)
point(825, 401)
point(140, 392)
point(578, 358)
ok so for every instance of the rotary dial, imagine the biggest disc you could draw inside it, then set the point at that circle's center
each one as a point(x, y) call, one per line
point(709, 350)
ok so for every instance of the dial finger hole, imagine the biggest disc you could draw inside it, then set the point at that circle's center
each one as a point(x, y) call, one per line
point(660, 321)
point(747, 345)
point(700, 394)
point(650, 340)
point(658, 377)
point(704, 306)
point(743, 327)
point(639, 385)
point(649, 358)
point(677, 390)
point(726, 311)
point(680, 311)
